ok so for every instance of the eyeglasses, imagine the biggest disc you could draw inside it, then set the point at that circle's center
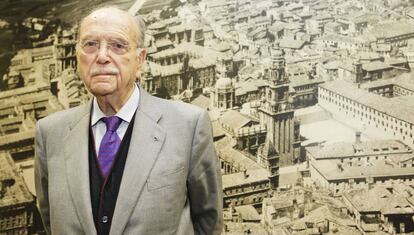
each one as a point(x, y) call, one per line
point(92, 46)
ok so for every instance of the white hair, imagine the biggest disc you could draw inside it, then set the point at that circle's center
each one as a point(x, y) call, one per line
point(138, 21)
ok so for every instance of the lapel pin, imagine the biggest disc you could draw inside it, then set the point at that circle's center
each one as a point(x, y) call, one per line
point(155, 138)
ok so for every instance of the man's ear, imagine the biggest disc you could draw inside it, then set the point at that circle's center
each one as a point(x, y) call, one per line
point(141, 55)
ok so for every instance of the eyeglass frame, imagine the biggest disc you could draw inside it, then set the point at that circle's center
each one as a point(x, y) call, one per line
point(109, 46)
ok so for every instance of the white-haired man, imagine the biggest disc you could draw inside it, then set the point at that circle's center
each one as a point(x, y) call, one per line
point(125, 162)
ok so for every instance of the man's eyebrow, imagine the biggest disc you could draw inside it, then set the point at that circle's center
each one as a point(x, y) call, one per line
point(87, 37)
point(106, 37)
point(121, 40)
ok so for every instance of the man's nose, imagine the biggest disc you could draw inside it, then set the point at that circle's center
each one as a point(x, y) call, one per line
point(103, 51)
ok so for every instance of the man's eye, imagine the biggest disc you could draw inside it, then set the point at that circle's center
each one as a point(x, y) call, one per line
point(90, 44)
point(119, 46)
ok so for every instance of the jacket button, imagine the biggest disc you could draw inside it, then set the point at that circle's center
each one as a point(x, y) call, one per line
point(104, 219)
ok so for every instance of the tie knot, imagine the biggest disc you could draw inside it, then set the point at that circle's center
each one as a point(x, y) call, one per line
point(112, 122)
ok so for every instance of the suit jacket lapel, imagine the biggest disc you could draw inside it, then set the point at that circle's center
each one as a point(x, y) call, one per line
point(77, 167)
point(146, 141)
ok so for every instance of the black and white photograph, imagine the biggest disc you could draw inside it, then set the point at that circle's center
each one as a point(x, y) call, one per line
point(250, 117)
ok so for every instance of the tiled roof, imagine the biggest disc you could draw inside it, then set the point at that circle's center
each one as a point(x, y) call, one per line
point(366, 148)
point(293, 44)
point(253, 176)
point(380, 199)
point(375, 66)
point(217, 130)
point(236, 120)
point(245, 87)
point(248, 212)
point(16, 192)
point(332, 172)
point(17, 137)
point(340, 38)
point(163, 42)
point(237, 228)
point(390, 106)
point(227, 153)
point(201, 101)
point(405, 80)
point(302, 80)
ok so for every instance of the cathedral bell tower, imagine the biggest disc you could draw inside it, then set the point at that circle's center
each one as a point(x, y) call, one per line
point(277, 115)
point(268, 158)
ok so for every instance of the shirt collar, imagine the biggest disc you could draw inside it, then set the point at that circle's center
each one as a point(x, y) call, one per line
point(125, 113)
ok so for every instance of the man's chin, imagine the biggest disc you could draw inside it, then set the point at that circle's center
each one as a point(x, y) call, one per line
point(102, 91)
point(103, 77)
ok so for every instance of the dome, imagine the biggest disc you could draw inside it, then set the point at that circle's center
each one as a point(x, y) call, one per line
point(224, 83)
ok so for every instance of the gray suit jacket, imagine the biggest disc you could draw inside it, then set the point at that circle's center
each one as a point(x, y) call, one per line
point(171, 182)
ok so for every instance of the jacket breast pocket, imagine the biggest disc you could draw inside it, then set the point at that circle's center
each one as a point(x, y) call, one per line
point(166, 178)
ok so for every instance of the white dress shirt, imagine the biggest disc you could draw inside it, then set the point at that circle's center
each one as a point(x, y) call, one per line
point(125, 113)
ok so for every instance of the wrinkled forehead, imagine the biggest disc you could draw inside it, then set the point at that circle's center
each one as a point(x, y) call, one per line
point(108, 23)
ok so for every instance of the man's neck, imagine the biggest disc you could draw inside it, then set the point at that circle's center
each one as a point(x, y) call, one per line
point(111, 104)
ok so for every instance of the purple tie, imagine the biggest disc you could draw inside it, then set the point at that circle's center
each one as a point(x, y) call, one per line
point(109, 145)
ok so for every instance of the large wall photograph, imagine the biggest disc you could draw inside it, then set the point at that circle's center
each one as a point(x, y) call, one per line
point(311, 104)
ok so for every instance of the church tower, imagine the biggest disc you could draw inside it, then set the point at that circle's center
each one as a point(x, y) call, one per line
point(277, 115)
point(224, 94)
point(268, 158)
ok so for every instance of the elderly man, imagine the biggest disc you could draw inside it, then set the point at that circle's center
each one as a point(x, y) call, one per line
point(125, 162)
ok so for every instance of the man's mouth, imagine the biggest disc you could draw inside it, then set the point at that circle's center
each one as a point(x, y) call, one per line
point(104, 72)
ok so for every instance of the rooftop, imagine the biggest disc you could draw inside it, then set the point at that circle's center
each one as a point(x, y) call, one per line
point(13, 190)
point(323, 16)
point(366, 148)
point(236, 120)
point(173, 69)
point(388, 106)
point(245, 87)
point(380, 198)
point(320, 215)
point(389, 30)
point(229, 154)
point(334, 170)
point(157, 25)
point(217, 130)
point(376, 66)
point(233, 228)
point(248, 213)
point(178, 28)
point(237, 179)
point(341, 38)
point(22, 91)
point(302, 80)
point(331, 65)
point(291, 44)
point(17, 137)
point(202, 62)
point(250, 71)
point(201, 101)
point(186, 48)
point(368, 56)
point(163, 43)
point(405, 81)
